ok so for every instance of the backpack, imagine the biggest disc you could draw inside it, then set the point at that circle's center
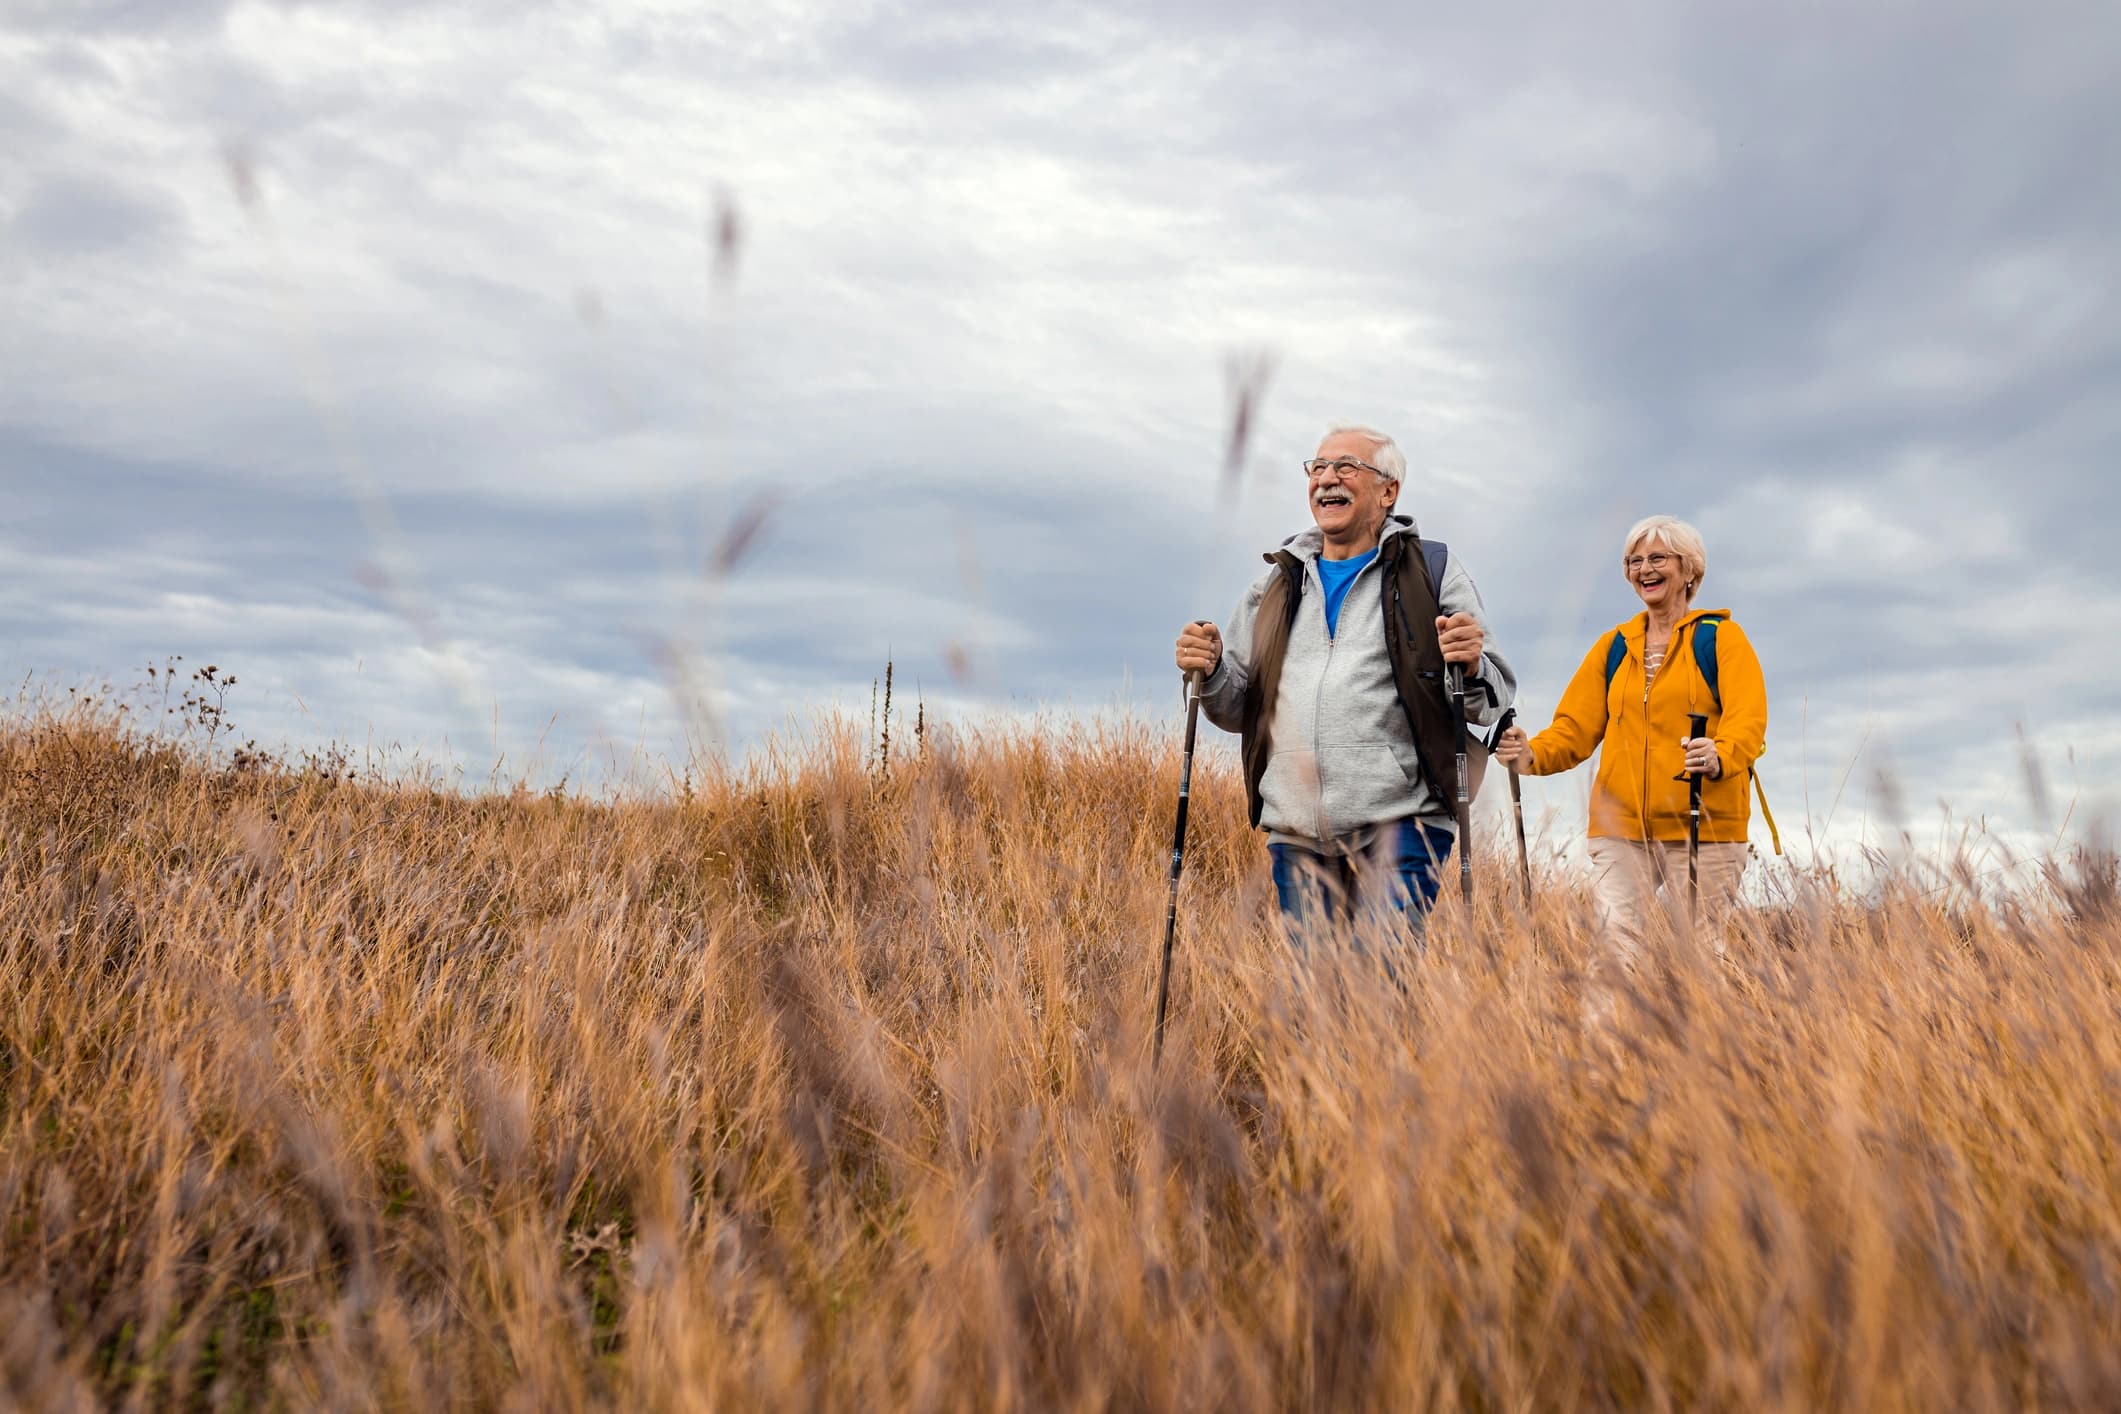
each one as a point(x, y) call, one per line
point(1704, 640)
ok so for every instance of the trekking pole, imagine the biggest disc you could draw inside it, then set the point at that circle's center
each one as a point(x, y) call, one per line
point(1524, 858)
point(1455, 680)
point(1698, 724)
point(1178, 859)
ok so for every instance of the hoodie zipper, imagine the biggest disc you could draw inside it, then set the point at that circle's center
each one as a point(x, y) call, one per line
point(1318, 703)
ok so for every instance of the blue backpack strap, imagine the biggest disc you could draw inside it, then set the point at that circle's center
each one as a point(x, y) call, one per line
point(1437, 557)
point(1705, 654)
point(1437, 554)
point(1615, 654)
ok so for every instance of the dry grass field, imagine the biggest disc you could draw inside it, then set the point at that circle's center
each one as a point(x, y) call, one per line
point(812, 1084)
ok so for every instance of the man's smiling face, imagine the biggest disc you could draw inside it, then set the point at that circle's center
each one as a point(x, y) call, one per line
point(1352, 502)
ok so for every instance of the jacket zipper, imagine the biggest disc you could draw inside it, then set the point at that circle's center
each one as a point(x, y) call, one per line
point(1642, 773)
point(1671, 651)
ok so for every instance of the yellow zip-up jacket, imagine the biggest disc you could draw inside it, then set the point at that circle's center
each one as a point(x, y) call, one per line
point(1636, 797)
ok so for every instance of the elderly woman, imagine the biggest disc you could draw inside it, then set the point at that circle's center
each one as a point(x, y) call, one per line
point(1633, 693)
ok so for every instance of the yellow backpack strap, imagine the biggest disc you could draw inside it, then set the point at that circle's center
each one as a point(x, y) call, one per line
point(1765, 813)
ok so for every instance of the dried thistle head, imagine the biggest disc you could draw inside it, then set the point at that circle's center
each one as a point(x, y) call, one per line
point(2034, 777)
point(1245, 376)
point(742, 535)
point(240, 162)
point(725, 238)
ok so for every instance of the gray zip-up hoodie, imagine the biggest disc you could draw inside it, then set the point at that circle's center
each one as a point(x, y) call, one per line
point(1343, 758)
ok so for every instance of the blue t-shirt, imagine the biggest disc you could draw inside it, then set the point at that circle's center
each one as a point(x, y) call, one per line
point(1336, 576)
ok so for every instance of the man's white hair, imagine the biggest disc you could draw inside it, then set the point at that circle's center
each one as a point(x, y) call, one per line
point(1678, 537)
point(1384, 452)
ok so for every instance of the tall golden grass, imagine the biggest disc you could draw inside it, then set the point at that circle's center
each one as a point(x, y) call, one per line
point(800, 1086)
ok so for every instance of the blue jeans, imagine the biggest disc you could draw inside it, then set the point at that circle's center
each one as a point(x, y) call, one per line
point(1400, 874)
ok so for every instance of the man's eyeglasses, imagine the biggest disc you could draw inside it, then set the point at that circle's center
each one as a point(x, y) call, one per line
point(1653, 562)
point(1339, 466)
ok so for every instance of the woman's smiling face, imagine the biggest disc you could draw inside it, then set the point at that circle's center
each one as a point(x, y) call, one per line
point(1657, 574)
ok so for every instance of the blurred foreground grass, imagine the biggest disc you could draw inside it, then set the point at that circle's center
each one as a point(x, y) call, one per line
point(810, 1085)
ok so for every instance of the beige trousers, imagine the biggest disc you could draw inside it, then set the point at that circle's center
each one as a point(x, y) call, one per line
point(1628, 876)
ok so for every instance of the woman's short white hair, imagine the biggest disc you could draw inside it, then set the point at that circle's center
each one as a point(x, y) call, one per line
point(1679, 538)
point(1384, 452)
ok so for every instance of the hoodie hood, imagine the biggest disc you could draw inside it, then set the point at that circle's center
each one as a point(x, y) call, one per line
point(1638, 628)
point(1307, 544)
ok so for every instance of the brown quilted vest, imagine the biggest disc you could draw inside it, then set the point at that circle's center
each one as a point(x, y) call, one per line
point(1410, 614)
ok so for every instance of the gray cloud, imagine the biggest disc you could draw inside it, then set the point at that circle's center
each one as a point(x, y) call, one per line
point(1840, 290)
point(68, 19)
point(69, 216)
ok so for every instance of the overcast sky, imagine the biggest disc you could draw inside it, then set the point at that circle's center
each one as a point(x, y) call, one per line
point(414, 362)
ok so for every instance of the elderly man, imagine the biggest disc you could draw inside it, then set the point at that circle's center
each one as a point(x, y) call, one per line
point(1333, 676)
